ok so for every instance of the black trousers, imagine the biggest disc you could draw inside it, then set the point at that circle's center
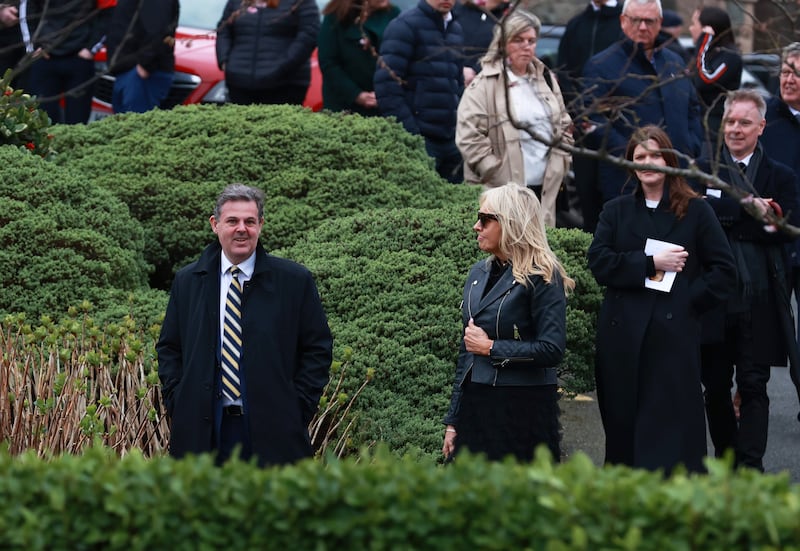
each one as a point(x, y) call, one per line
point(748, 439)
point(588, 187)
point(233, 434)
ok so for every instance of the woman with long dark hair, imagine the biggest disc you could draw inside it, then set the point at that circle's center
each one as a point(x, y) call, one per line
point(664, 259)
point(348, 42)
point(717, 66)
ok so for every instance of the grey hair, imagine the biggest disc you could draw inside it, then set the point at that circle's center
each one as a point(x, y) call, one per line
point(642, 3)
point(792, 50)
point(515, 23)
point(744, 94)
point(240, 192)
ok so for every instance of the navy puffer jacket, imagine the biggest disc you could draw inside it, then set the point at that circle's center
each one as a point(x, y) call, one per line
point(427, 66)
point(267, 48)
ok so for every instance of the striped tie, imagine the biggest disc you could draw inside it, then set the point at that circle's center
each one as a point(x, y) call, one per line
point(232, 339)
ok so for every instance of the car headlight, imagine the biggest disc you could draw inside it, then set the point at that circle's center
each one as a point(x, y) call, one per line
point(218, 94)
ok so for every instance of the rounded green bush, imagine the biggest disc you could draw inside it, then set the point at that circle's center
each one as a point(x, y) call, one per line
point(169, 166)
point(64, 239)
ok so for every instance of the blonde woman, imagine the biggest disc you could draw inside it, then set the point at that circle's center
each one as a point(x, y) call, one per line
point(512, 113)
point(504, 399)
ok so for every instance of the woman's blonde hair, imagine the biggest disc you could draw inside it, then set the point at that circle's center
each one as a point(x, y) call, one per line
point(523, 239)
point(513, 24)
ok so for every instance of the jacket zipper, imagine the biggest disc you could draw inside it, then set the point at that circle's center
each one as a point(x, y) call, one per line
point(497, 332)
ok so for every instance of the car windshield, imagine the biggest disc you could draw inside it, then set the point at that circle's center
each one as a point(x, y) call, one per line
point(203, 14)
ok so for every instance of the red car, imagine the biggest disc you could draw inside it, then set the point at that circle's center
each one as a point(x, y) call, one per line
point(197, 77)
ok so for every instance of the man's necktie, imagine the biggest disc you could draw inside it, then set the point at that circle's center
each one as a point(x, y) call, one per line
point(232, 339)
point(742, 166)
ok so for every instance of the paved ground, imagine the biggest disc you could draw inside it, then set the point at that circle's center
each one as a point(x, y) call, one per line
point(583, 430)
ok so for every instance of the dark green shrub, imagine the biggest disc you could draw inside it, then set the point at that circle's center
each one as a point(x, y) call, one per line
point(169, 166)
point(382, 502)
point(64, 239)
point(392, 281)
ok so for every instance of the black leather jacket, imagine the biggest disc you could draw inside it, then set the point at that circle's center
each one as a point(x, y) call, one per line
point(527, 324)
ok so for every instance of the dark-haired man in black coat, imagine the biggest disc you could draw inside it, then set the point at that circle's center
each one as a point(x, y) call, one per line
point(273, 326)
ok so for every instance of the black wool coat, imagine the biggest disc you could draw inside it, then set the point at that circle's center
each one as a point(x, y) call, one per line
point(778, 182)
point(285, 360)
point(647, 363)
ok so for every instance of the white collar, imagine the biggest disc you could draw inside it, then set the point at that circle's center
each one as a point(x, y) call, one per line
point(745, 160)
point(247, 267)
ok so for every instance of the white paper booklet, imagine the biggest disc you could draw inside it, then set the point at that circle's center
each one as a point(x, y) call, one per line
point(662, 281)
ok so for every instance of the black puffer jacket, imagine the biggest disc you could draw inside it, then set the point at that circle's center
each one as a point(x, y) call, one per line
point(421, 78)
point(266, 48)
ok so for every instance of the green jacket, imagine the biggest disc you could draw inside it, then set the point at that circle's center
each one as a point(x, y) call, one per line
point(347, 56)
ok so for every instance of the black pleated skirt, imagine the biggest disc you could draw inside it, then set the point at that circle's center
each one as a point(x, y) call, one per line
point(499, 421)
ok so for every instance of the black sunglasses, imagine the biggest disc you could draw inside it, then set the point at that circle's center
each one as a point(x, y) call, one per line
point(484, 217)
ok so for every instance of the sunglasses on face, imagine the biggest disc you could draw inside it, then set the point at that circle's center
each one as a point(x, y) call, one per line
point(484, 217)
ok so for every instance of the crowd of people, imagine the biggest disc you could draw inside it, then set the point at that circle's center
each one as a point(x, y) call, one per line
point(698, 278)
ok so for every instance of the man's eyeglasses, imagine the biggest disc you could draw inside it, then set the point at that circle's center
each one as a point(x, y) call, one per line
point(649, 22)
point(786, 73)
point(484, 217)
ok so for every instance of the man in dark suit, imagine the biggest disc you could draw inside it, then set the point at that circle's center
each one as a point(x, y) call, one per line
point(757, 329)
point(245, 348)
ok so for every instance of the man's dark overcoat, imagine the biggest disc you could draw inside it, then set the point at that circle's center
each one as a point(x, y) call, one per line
point(648, 350)
point(775, 181)
point(285, 360)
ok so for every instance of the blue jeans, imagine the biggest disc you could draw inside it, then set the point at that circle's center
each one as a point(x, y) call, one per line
point(134, 94)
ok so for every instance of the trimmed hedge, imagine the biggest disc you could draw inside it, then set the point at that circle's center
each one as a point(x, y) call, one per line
point(381, 502)
point(391, 282)
point(169, 166)
point(64, 239)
